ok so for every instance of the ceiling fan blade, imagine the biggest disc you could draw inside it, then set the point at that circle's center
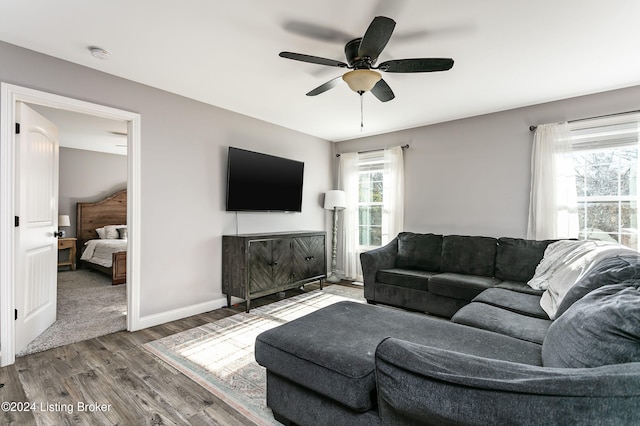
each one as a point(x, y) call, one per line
point(326, 86)
point(376, 37)
point(313, 59)
point(417, 65)
point(382, 91)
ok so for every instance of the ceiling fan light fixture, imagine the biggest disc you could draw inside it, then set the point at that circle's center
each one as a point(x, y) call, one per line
point(361, 81)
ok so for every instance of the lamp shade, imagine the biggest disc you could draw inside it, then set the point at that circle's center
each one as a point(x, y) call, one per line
point(361, 80)
point(335, 199)
point(63, 220)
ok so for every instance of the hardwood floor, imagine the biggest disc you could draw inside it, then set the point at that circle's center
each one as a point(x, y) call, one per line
point(112, 380)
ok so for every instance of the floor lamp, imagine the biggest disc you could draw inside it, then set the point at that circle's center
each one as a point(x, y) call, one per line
point(334, 200)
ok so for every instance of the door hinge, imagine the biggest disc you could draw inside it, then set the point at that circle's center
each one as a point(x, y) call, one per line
point(17, 128)
point(16, 318)
point(17, 221)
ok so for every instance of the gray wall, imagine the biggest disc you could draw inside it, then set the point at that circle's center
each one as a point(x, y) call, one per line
point(87, 176)
point(472, 176)
point(183, 174)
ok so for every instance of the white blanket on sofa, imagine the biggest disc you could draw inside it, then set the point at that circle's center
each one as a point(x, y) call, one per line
point(564, 263)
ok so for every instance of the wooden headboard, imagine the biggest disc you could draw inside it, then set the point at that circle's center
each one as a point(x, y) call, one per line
point(110, 211)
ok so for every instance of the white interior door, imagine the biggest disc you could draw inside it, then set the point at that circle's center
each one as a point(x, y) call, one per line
point(37, 209)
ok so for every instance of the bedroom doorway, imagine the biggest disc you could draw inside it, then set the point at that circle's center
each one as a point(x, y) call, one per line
point(10, 97)
point(92, 166)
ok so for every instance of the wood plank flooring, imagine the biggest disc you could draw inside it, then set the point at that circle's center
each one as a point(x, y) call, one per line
point(112, 380)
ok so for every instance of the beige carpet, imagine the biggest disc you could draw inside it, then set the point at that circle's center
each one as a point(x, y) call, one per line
point(88, 306)
point(219, 355)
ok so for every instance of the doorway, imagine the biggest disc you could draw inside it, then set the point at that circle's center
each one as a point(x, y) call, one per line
point(9, 97)
point(92, 166)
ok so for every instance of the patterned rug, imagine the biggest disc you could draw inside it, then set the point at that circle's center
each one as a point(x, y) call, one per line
point(219, 355)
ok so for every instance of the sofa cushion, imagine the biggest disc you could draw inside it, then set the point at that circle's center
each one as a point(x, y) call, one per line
point(519, 287)
point(331, 351)
point(602, 328)
point(417, 280)
point(419, 251)
point(611, 270)
point(460, 286)
point(502, 321)
point(469, 255)
point(517, 258)
point(521, 303)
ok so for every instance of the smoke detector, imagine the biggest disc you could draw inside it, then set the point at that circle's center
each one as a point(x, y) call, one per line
point(100, 53)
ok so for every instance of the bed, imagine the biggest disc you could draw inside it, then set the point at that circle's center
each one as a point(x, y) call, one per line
point(107, 255)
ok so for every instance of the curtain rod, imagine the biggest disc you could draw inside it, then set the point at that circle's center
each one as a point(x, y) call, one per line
point(379, 149)
point(533, 128)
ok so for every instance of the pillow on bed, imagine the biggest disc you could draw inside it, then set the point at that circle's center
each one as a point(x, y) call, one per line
point(101, 233)
point(111, 231)
point(122, 232)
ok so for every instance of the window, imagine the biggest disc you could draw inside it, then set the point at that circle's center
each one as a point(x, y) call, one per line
point(370, 199)
point(373, 183)
point(605, 158)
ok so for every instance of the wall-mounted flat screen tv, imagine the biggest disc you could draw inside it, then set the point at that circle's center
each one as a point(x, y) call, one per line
point(262, 182)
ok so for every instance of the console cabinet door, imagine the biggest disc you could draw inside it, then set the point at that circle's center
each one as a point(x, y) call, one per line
point(281, 262)
point(259, 266)
point(308, 257)
point(269, 264)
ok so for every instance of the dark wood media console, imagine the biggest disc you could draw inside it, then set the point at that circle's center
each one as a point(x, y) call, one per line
point(256, 265)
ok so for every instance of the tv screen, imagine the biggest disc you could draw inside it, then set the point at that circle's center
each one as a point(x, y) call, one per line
point(261, 182)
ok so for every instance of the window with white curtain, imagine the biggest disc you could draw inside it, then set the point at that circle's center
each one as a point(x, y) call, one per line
point(370, 198)
point(605, 159)
point(374, 186)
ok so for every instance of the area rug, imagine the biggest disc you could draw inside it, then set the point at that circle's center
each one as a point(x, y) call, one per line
point(88, 306)
point(219, 355)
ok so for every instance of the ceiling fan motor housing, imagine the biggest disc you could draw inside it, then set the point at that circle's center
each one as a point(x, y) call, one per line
point(351, 52)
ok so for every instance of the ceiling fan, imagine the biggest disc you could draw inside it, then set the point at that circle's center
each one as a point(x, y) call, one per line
point(362, 54)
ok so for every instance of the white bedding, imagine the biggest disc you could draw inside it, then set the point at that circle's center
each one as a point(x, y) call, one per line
point(564, 263)
point(100, 251)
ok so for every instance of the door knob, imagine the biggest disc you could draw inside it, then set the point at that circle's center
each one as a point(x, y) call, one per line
point(58, 234)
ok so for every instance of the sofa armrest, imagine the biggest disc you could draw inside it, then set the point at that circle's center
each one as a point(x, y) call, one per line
point(418, 384)
point(381, 258)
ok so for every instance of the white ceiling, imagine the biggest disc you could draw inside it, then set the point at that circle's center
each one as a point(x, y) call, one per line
point(87, 132)
point(508, 53)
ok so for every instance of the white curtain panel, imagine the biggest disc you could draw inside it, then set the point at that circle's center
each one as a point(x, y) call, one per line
point(393, 193)
point(553, 199)
point(348, 182)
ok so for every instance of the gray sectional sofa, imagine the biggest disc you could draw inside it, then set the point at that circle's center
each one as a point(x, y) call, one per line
point(500, 359)
point(440, 274)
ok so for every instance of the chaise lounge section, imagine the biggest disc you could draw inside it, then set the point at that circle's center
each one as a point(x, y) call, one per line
point(499, 359)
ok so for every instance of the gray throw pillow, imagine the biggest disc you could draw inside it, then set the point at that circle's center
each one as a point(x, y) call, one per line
point(610, 270)
point(602, 328)
point(419, 251)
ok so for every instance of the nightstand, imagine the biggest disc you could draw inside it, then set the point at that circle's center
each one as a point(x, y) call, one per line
point(68, 244)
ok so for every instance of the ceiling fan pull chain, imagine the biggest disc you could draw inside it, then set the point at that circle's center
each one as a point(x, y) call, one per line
point(361, 113)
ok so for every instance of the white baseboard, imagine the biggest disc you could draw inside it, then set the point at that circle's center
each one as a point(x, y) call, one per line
point(177, 314)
